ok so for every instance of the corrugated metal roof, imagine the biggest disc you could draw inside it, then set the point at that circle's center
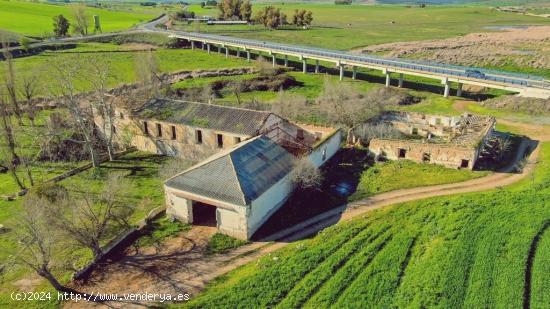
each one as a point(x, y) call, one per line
point(240, 175)
point(223, 118)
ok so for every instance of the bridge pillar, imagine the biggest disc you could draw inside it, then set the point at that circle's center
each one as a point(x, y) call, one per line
point(192, 45)
point(238, 53)
point(316, 66)
point(286, 61)
point(447, 90)
point(459, 90)
point(226, 52)
point(388, 79)
point(203, 46)
point(273, 60)
point(248, 55)
point(219, 49)
point(341, 72)
point(354, 72)
point(208, 48)
point(304, 66)
point(401, 80)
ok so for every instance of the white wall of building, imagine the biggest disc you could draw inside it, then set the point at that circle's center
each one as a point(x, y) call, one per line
point(232, 222)
point(267, 203)
point(328, 148)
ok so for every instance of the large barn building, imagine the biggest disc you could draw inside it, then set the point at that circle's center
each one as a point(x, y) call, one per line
point(250, 156)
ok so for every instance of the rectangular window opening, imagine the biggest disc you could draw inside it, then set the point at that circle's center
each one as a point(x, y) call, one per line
point(198, 136)
point(145, 128)
point(465, 163)
point(159, 130)
point(220, 140)
point(174, 135)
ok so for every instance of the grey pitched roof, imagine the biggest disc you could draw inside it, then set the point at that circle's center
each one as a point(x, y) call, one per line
point(223, 118)
point(238, 176)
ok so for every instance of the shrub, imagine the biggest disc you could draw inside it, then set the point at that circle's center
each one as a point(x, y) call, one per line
point(220, 243)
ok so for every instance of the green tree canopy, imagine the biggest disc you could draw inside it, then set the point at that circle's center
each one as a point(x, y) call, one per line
point(61, 26)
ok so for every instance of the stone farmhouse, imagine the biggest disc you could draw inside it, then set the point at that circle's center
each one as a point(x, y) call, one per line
point(251, 155)
point(455, 142)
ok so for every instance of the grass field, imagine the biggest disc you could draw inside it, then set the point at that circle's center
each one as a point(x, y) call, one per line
point(35, 19)
point(463, 251)
point(394, 175)
point(144, 193)
point(122, 60)
point(346, 27)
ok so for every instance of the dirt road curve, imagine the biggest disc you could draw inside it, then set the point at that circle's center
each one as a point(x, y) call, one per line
point(177, 266)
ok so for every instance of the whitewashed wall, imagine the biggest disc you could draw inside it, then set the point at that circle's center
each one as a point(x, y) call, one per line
point(330, 146)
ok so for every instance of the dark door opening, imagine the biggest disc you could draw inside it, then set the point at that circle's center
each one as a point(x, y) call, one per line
point(464, 163)
point(204, 214)
point(426, 157)
point(402, 153)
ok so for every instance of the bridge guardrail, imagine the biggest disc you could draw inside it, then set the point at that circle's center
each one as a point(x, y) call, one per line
point(413, 65)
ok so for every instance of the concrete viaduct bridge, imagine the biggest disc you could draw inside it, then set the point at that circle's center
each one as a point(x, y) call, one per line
point(525, 85)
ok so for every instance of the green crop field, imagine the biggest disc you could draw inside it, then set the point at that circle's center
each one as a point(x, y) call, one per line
point(346, 27)
point(35, 19)
point(482, 250)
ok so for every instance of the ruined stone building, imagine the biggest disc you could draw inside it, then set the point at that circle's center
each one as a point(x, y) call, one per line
point(251, 154)
point(454, 142)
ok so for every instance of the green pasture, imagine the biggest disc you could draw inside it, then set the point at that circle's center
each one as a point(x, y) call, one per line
point(35, 18)
point(346, 27)
point(404, 174)
point(122, 60)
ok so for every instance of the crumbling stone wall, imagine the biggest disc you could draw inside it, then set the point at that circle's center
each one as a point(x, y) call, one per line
point(452, 156)
point(186, 143)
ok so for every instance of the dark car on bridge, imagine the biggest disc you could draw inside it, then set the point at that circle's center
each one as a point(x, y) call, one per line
point(474, 74)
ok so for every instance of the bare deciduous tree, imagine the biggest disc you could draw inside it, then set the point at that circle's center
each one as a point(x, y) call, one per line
point(343, 104)
point(173, 166)
point(29, 88)
point(38, 241)
point(147, 73)
point(82, 22)
point(10, 82)
point(290, 105)
point(9, 156)
point(94, 219)
point(67, 75)
point(383, 130)
point(305, 175)
point(103, 103)
point(237, 87)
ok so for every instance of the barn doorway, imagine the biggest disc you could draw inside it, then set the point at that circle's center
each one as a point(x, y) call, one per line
point(204, 214)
